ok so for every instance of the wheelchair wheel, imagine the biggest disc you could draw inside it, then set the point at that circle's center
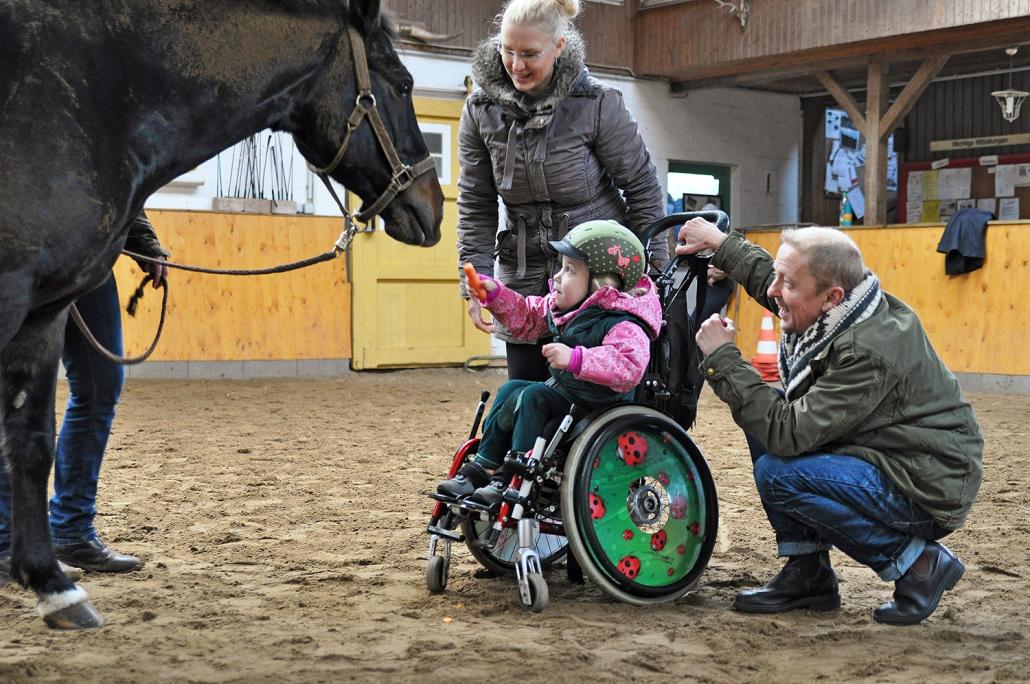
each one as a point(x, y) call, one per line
point(436, 574)
point(641, 513)
point(500, 557)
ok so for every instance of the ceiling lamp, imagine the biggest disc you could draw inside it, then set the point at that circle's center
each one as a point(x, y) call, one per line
point(1010, 100)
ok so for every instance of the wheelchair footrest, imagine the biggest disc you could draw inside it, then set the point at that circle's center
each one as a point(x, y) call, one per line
point(447, 534)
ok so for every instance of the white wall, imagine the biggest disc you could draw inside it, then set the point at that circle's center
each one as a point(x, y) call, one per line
point(754, 133)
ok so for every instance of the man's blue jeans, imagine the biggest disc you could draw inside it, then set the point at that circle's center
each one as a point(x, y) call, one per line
point(95, 385)
point(816, 501)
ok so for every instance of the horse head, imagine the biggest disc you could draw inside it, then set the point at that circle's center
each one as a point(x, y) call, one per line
point(383, 163)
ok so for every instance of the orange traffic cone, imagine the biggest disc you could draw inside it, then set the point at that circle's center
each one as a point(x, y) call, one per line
point(764, 361)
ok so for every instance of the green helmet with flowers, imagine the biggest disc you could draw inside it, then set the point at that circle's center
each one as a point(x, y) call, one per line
point(607, 247)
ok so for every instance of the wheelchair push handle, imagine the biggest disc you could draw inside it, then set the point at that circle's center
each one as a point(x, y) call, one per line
point(719, 218)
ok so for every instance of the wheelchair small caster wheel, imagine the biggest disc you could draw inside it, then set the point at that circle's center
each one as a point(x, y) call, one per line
point(536, 587)
point(436, 574)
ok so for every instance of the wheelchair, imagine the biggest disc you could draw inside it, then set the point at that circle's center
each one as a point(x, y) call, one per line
point(624, 489)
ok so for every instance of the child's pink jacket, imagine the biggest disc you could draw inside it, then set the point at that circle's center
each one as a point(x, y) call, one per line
point(620, 362)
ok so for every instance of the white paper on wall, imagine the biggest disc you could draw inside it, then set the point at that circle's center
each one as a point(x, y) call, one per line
point(988, 204)
point(857, 200)
point(914, 191)
point(913, 212)
point(1008, 208)
point(955, 183)
point(1005, 180)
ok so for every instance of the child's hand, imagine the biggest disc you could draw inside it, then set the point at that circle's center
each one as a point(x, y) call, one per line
point(558, 355)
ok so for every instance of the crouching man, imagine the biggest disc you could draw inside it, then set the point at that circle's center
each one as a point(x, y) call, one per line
point(872, 448)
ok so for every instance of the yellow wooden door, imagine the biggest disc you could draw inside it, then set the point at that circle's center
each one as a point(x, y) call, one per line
point(406, 309)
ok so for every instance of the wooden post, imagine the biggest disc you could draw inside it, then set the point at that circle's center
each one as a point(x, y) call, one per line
point(875, 146)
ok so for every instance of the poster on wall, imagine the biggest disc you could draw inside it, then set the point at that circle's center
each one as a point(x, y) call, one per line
point(845, 155)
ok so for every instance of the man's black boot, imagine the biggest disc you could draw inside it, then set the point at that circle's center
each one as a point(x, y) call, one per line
point(917, 594)
point(806, 581)
point(96, 556)
point(469, 478)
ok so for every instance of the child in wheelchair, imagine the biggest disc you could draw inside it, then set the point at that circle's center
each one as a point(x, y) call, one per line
point(603, 312)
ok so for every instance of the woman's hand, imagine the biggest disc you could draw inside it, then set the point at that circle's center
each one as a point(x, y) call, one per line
point(557, 354)
point(714, 332)
point(475, 310)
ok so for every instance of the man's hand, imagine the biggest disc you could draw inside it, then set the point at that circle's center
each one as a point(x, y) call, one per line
point(558, 355)
point(715, 275)
point(698, 235)
point(475, 310)
point(714, 332)
point(157, 271)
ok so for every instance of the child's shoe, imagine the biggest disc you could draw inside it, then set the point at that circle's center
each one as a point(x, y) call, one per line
point(470, 477)
point(491, 494)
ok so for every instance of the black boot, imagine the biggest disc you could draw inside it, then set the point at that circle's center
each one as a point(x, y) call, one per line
point(806, 581)
point(917, 595)
point(96, 556)
point(470, 477)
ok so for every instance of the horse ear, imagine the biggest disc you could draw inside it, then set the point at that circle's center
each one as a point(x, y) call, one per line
point(364, 14)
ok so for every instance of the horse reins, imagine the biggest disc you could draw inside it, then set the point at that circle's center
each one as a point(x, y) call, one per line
point(402, 176)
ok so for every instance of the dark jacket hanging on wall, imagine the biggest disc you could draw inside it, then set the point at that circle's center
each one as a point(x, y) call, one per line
point(964, 242)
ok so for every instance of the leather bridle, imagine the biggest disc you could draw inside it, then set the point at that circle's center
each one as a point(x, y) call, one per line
point(402, 175)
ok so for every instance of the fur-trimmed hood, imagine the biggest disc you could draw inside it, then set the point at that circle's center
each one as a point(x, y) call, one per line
point(488, 72)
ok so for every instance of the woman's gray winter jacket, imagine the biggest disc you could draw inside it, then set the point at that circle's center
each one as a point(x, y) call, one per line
point(555, 161)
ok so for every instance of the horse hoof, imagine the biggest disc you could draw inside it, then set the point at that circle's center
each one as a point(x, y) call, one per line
point(79, 616)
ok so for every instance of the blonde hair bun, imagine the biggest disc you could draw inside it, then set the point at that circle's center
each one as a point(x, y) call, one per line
point(551, 16)
point(570, 8)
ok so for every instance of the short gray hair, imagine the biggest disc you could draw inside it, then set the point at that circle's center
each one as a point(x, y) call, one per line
point(832, 256)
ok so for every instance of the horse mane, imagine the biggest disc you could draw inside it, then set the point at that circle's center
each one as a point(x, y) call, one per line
point(337, 8)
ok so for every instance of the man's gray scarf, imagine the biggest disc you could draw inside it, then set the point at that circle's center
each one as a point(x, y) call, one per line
point(797, 351)
point(489, 74)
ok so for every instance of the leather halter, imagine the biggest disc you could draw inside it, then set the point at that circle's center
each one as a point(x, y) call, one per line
point(402, 175)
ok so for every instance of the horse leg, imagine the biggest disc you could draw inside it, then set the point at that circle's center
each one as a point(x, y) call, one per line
point(28, 377)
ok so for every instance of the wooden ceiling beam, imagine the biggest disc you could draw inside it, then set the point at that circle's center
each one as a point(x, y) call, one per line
point(910, 94)
point(905, 48)
point(843, 98)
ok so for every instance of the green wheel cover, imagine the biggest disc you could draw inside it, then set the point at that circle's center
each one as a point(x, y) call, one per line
point(644, 512)
point(653, 547)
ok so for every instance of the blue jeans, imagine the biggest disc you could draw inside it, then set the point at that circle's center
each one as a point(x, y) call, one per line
point(95, 385)
point(816, 501)
point(520, 412)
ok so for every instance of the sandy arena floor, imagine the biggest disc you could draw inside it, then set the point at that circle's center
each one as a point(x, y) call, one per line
point(282, 525)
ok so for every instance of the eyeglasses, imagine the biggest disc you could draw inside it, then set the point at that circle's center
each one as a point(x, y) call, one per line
point(528, 57)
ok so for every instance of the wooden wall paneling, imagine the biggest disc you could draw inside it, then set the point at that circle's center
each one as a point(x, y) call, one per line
point(299, 315)
point(978, 322)
point(714, 47)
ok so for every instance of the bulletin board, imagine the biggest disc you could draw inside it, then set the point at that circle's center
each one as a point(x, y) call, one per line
point(931, 192)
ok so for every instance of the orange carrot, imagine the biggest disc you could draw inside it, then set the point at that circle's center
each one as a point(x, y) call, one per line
point(475, 285)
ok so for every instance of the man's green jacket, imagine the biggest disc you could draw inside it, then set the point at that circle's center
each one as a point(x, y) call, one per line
point(878, 391)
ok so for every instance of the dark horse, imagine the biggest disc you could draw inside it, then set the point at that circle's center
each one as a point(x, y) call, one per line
point(102, 103)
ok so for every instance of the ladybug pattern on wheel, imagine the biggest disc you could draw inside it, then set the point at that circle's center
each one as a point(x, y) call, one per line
point(646, 508)
point(632, 448)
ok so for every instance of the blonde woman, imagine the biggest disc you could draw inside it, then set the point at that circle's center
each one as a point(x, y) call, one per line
point(558, 147)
